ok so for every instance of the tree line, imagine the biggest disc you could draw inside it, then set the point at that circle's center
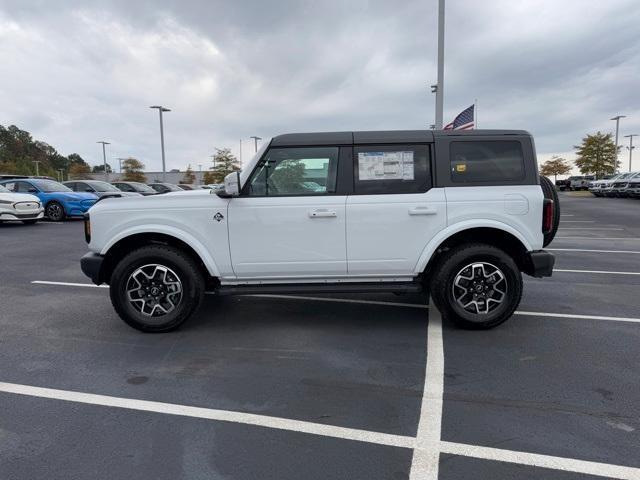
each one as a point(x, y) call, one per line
point(21, 154)
point(596, 155)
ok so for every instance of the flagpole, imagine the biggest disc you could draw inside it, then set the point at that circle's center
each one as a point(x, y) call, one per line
point(475, 112)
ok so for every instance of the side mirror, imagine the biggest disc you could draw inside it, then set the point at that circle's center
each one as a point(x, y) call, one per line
point(88, 189)
point(32, 190)
point(232, 184)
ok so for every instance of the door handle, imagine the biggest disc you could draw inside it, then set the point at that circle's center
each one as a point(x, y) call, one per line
point(422, 211)
point(322, 212)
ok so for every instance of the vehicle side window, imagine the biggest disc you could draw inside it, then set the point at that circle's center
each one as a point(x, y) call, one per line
point(486, 161)
point(124, 187)
point(23, 187)
point(83, 187)
point(392, 169)
point(295, 171)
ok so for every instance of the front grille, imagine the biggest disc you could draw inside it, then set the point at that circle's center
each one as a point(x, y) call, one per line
point(26, 205)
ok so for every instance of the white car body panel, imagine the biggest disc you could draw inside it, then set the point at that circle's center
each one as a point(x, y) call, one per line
point(21, 204)
point(387, 233)
point(287, 236)
point(187, 216)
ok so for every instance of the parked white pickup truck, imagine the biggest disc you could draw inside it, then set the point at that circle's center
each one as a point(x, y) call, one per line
point(457, 214)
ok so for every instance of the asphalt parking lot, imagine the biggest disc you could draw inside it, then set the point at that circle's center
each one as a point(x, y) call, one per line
point(357, 387)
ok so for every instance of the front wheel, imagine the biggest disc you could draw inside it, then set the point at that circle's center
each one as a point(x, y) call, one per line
point(476, 286)
point(156, 288)
point(55, 211)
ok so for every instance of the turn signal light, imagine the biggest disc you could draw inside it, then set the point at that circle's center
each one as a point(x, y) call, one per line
point(87, 228)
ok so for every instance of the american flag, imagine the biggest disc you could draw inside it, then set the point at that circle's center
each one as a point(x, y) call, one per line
point(464, 121)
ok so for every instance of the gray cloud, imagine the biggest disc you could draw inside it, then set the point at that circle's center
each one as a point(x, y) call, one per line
point(87, 71)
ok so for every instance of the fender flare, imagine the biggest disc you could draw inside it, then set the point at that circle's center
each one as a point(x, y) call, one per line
point(174, 232)
point(443, 235)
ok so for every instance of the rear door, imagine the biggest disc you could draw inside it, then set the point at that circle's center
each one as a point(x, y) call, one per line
point(394, 210)
point(289, 221)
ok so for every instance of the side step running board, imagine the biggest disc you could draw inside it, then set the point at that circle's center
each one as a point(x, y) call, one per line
point(344, 287)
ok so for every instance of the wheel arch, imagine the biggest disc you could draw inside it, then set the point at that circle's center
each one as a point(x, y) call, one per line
point(119, 246)
point(497, 234)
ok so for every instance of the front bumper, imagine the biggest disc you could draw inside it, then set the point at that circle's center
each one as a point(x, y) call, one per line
point(13, 215)
point(539, 263)
point(91, 265)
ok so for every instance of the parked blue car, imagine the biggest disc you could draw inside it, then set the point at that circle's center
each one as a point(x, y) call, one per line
point(59, 201)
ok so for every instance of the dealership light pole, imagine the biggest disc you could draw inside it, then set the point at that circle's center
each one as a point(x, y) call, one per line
point(61, 174)
point(255, 141)
point(37, 162)
point(104, 159)
point(161, 110)
point(617, 119)
point(630, 147)
point(240, 153)
point(200, 170)
point(439, 87)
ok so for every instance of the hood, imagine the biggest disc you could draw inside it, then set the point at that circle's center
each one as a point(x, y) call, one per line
point(18, 197)
point(74, 196)
point(186, 199)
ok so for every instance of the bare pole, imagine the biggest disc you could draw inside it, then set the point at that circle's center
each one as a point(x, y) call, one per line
point(240, 153)
point(255, 142)
point(630, 147)
point(617, 119)
point(37, 162)
point(475, 112)
point(104, 159)
point(440, 84)
point(200, 170)
point(162, 109)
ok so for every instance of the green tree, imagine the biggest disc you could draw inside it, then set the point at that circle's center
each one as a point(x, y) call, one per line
point(224, 162)
point(133, 170)
point(100, 168)
point(189, 176)
point(555, 166)
point(79, 171)
point(597, 155)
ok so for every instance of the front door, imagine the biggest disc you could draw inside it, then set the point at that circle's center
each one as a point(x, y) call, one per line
point(289, 222)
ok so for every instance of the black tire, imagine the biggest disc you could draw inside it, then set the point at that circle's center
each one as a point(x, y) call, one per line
point(454, 263)
point(550, 193)
point(55, 211)
point(180, 265)
point(30, 222)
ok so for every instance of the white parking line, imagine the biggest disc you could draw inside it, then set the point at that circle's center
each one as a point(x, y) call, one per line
point(374, 302)
point(590, 228)
point(588, 250)
point(567, 215)
point(542, 461)
point(601, 238)
point(578, 221)
point(425, 449)
point(212, 414)
point(427, 446)
point(426, 456)
point(594, 271)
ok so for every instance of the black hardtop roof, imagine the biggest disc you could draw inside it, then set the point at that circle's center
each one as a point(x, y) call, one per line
point(381, 136)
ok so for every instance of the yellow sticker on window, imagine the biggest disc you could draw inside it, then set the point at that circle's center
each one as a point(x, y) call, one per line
point(461, 167)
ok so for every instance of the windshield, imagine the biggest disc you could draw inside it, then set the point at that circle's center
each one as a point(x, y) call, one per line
point(49, 186)
point(3, 189)
point(99, 186)
point(141, 187)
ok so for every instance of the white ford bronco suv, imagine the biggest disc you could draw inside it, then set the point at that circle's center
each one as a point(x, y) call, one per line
point(460, 215)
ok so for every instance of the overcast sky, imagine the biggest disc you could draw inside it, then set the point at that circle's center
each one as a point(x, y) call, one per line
point(75, 72)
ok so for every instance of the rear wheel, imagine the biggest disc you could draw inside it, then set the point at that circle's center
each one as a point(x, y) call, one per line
point(550, 193)
point(156, 288)
point(55, 211)
point(476, 286)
